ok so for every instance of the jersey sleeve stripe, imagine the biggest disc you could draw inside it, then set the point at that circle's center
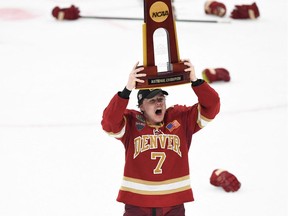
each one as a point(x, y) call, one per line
point(120, 133)
point(202, 121)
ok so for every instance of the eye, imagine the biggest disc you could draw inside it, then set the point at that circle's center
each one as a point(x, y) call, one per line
point(156, 100)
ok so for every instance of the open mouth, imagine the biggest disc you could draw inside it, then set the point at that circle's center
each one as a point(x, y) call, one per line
point(158, 112)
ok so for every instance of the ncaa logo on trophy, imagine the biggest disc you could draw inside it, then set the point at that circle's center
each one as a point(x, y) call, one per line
point(161, 59)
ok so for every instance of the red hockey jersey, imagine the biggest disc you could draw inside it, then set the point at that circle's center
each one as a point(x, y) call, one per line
point(156, 172)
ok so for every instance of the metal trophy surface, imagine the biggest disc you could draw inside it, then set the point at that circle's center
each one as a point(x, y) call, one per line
point(158, 17)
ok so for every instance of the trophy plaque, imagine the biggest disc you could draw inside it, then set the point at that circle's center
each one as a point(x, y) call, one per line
point(158, 17)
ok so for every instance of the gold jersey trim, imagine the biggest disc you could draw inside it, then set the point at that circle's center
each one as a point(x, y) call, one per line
point(143, 187)
point(119, 134)
point(202, 121)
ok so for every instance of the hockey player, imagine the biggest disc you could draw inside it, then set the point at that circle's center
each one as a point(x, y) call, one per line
point(157, 139)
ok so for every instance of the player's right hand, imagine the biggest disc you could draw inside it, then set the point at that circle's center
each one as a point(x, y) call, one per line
point(135, 76)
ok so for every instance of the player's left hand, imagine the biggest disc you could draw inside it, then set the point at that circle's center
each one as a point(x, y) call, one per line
point(190, 68)
point(225, 179)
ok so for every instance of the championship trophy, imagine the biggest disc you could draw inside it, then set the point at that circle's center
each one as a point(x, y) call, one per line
point(158, 17)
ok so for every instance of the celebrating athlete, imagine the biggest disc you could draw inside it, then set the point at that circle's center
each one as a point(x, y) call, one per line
point(157, 139)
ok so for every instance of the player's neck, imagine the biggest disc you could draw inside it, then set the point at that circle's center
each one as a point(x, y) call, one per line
point(155, 125)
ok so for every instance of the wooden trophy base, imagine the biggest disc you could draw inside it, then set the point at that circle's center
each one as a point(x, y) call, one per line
point(156, 79)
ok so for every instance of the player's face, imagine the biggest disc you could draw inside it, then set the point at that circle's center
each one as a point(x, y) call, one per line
point(154, 109)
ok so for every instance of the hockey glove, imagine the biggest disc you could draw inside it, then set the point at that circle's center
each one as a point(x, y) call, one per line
point(245, 12)
point(218, 74)
point(215, 8)
point(225, 180)
point(71, 13)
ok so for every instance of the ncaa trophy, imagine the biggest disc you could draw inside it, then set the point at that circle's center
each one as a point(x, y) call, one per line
point(158, 17)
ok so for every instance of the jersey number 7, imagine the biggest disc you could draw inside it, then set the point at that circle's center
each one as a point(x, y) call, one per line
point(162, 157)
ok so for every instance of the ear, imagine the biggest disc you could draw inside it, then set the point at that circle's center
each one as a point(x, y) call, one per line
point(141, 108)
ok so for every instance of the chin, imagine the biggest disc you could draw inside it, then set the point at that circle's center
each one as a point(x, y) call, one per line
point(159, 119)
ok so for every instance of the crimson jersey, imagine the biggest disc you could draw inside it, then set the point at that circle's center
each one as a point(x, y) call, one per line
point(156, 172)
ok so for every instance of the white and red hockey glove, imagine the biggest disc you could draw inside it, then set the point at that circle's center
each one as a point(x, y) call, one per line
point(224, 179)
point(218, 74)
point(245, 12)
point(71, 13)
point(215, 8)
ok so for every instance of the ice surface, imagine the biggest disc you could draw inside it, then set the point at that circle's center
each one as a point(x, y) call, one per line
point(57, 77)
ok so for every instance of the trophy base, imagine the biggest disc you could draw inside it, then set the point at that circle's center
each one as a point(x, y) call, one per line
point(164, 79)
point(156, 79)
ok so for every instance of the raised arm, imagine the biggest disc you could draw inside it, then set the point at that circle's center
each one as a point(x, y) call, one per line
point(208, 98)
point(113, 119)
